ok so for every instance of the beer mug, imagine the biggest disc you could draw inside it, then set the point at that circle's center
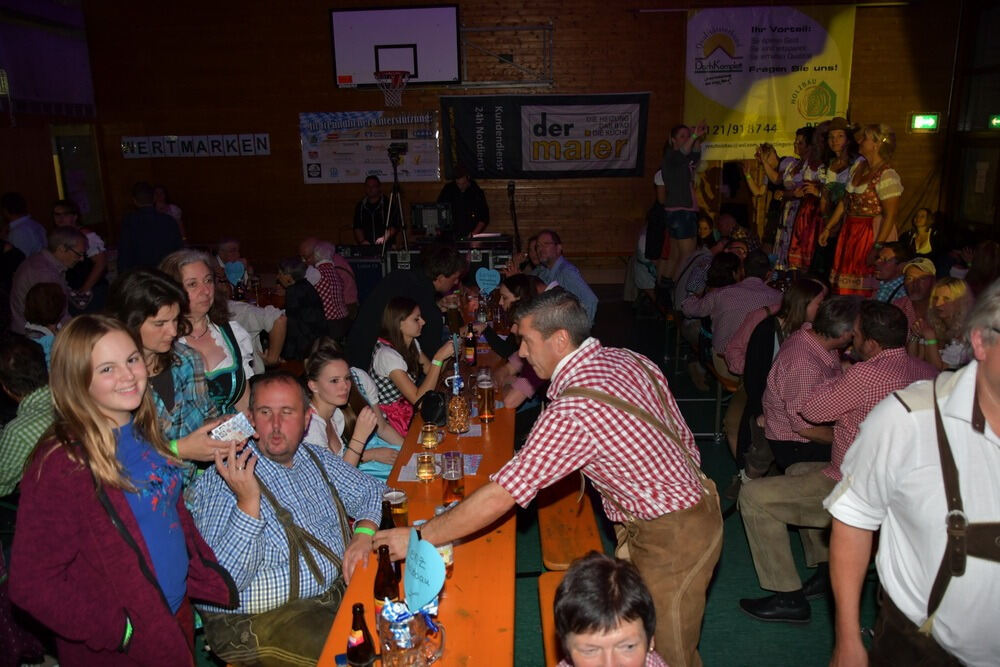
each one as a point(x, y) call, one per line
point(409, 643)
point(485, 399)
point(427, 470)
point(453, 474)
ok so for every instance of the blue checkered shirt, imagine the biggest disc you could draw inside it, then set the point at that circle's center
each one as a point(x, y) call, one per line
point(890, 290)
point(255, 551)
point(192, 404)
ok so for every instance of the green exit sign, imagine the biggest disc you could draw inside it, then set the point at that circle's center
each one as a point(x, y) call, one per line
point(925, 122)
point(994, 123)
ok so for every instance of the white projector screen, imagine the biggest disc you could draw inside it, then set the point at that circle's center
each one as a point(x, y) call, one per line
point(421, 40)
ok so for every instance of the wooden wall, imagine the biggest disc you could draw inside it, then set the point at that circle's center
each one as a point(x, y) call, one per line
point(187, 67)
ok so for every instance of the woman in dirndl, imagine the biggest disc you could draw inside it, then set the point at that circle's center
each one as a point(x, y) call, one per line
point(868, 212)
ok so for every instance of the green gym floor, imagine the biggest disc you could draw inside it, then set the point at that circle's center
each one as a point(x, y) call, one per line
point(729, 637)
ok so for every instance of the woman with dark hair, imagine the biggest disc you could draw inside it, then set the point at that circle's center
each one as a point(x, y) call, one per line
point(401, 370)
point(105, 553)
point(841, 153)
point(868, 211)
point(789, 174)
point(681, 156)
point(925, 238)
point(225, 347)
point(344, 415)
point(154, 310)
point(809, 218)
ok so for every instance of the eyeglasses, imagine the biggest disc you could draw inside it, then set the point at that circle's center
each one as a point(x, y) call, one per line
point(76, 252)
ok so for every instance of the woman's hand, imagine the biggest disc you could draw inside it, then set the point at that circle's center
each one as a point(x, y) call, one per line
point(385, 455)
point(479, 328)
point(444, 352)
point(701, 129)
point(824, 236)
point(366, 425)
point(198, 445)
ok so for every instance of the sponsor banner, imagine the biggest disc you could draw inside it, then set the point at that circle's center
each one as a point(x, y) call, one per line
point(757, 74)
point(202, 145)
point(545, 136)
point(347, 146)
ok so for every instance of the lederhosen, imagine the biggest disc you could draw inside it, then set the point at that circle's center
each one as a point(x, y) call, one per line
point(979, 540)
point(235, 637)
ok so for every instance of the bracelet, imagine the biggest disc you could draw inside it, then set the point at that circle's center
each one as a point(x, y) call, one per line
point(878, 246)
point(128, 634)
point(364, 530)
point(173, 448)
point(929, 341)
point(355, 451)
point(435, 362)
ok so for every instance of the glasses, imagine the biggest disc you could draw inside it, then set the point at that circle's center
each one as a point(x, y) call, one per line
point(884, 260)
point(76, 252)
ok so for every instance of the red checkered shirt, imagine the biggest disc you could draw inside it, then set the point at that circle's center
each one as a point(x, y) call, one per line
point(848, 401)
point(802, 365)
point(729, 306)
point(331, 291)
point(637, 466)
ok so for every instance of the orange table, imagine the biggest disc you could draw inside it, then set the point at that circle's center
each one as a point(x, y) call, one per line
point(477, 609)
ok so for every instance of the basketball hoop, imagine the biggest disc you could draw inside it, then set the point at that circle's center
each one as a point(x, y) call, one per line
point(392, 83)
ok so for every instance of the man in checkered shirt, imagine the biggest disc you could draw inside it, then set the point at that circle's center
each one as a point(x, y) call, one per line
point(289, 594)
point(667, 518)
point(770, 504)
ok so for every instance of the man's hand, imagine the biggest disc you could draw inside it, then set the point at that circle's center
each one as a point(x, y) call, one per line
point(356, 553)
point(849, 652)
point(199, 445)
point(397, 539)
point(237, 471)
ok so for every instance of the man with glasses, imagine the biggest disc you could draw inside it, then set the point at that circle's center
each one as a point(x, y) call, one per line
point(554, 268)
point(918, 279)
point(889, 271)
point(67, 246)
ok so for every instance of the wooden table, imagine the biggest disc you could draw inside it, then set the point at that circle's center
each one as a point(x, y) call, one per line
point(477, 609)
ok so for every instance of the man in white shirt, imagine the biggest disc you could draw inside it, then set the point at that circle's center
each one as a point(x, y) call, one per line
point(940, 571)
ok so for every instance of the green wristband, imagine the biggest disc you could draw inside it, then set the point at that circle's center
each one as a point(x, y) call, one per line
point(173, 448)
point(435, 362)
point(364, 530)
point(929, 341)
point(128, 633)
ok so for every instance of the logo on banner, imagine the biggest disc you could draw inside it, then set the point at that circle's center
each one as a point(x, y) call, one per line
point(314, 170)
point(815, 100)
point(717, 57)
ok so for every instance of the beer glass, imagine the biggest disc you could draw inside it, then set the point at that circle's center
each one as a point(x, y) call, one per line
point(485, 400)
point(400, 507)
point(426, 468)
point(453, 474)
point(430, 436)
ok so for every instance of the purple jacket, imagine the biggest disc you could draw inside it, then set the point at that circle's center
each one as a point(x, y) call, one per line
point(79, 564)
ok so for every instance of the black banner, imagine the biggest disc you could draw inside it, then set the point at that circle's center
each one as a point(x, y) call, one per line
point(545, 136)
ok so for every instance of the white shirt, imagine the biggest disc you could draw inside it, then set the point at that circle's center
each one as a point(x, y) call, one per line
point(316, 431)
point(892, 478)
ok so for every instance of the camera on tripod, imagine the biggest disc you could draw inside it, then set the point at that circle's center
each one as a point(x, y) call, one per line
point(396, 149)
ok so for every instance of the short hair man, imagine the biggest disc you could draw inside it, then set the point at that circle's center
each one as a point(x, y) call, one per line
point(440, 269)
point(147, 236)
point(806, 360)
point(914, 450)
point(331, 289)
point(228, 252)
point(261, 509)
point(24, 232)
point(555, 268)
point(601, 606)
point(307, 251)
point(469, 211)
point(649, 479)
point(770, 504)
point(374, 222)
point(66, 247)
point(918, 281)
point(24, 377)
point(889, 271)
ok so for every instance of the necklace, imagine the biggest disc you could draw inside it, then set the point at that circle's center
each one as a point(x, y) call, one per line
point(202, 334)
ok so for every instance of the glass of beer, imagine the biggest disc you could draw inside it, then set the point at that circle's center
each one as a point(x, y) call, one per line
point(400, 507)
point(453, 474)
point(485, 400)
point(426, 468)
point(430, 436)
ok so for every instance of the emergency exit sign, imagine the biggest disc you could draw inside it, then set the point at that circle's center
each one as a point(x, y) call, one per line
point(925, 122)
point(994, 123)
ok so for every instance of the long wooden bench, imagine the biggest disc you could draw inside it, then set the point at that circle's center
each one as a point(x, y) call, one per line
point(567, 528)
point(547, 584)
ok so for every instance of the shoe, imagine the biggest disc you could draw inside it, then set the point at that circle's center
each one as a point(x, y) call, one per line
point(774, 608)
point(818, 585)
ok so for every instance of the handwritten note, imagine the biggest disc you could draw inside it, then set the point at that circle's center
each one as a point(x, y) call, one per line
point(487, 279)
point(424, 572)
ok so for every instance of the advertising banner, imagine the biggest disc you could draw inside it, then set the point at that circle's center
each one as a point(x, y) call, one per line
point(347, 146)
point(757, 74)
point(545, 136)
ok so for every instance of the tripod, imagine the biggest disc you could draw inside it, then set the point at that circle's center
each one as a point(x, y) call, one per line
point(395, 204)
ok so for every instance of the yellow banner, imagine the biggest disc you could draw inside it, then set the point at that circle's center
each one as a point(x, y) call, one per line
point(756, 74)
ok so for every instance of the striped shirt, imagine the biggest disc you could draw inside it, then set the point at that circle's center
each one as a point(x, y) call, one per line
point(848, 401)
point(627, 459)
point(256, 551)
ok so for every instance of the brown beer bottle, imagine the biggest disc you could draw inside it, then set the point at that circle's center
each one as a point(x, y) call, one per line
point(386, 581)
point(360, 647)
point(470, 347)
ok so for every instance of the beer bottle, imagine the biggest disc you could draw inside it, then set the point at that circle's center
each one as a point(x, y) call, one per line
point(386, 523)
point(386, 581)
point(470, 347)
point(360, 647)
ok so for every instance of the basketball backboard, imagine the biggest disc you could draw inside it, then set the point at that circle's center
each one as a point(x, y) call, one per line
point(420, 40)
